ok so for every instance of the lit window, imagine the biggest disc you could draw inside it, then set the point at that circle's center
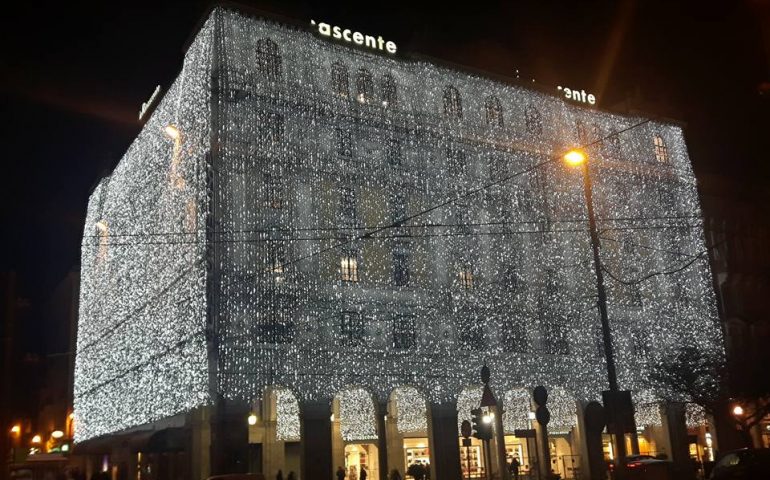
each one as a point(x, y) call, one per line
point(404, 332)
point(349, 269)
point(389, 91)
point(268, 59)
point(351, 326)
point(453, 105)
point(494, 112)
point(364, 85)
point(276, 260)
point(340, 84)
point(466, 278)
point(661, 151)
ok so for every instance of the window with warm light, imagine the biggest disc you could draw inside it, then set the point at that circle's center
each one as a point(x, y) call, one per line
point(389, 91)
point(466, 278)
point(364, 86)
point(661, 150)
point(349, 269)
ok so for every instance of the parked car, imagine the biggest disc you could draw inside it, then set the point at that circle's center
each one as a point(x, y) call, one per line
point(639, 467)
point(745, 463)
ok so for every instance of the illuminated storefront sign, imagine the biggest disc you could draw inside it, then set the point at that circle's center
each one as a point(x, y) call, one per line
point(339, 33)
point(577, 95)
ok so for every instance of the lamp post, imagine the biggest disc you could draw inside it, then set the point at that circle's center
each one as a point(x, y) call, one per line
point(578, 158)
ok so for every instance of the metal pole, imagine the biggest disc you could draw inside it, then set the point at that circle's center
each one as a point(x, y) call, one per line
point(612, 377)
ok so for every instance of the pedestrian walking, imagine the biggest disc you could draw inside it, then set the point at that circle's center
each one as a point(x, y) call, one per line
point(514, 467)
point(364, 473)
point(340, 473)
point(279, 475)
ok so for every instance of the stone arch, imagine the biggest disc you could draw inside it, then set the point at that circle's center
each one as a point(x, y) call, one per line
point(357, 413)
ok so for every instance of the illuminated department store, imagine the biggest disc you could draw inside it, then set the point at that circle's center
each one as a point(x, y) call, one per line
point(316, 241)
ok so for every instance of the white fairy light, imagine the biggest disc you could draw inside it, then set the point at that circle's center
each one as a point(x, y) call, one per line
point(411, 410)
point(516, 408)
point(357, 415)
point(287, 426)
point(269, 160)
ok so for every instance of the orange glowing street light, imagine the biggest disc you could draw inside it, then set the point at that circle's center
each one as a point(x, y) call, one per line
point(575, 158)
point(16, 429)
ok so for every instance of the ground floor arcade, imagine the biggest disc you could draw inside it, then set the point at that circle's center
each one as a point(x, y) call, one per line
point(364, 435)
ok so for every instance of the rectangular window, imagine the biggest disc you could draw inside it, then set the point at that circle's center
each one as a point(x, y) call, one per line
point(401, 265)
point(344, 143)
point(351, 326)
point(471, 335)
point(514, 337)
point(349, 268)
point(466, 278)
point(455, 158)
point(393, 152)
point(276, 261)
point(273, 190)
point(348, 205)
point(404, 332)
point(661, 151)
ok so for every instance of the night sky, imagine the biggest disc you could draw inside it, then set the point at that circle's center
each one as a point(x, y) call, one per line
point(74, 77)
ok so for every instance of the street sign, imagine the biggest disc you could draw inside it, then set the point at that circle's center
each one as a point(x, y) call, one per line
point(525, 433)
point(542, 415)
point(540, 395)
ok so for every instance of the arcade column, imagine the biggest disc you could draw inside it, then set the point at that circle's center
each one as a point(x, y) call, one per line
point(444, 441)
point(316, 432)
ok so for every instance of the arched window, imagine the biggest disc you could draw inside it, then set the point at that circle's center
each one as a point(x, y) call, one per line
point(364, 86)
point(494, 112)
point(340, 84)
point(661, 150)
point(389, 91)
point(268, 59)
point(453, 104)
point(534, 120)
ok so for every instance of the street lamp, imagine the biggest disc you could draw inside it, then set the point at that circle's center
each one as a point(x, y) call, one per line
point(578, 158)
point(738, 411)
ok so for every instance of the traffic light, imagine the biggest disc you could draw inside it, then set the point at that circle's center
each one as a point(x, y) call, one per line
point(481, 429)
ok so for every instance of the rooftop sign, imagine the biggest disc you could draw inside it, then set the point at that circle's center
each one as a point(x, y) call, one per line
point(358, 38)
point(577, 95)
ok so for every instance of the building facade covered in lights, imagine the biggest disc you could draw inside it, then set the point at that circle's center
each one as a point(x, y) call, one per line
point(330, 241)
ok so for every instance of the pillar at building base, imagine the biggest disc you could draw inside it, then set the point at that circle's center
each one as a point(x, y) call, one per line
point(200, 443)
point(444, 441)
point(674, 424)
point(316, 432)
point(229, 438)
point(382, 439)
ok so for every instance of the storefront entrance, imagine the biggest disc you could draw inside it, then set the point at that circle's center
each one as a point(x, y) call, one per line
point(360, 456)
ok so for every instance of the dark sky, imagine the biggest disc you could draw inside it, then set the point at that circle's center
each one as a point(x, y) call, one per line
point(74, 76)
